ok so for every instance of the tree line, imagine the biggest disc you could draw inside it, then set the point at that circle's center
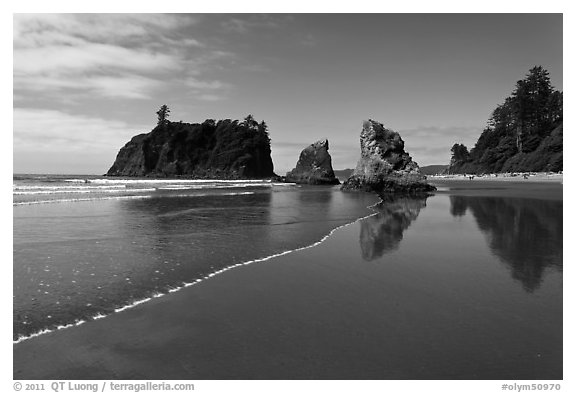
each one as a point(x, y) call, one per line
point(524, 133)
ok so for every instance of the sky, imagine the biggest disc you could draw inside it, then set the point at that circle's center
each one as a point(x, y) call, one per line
point(84, 84)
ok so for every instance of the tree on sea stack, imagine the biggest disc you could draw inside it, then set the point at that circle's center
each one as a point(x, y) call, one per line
point(163, 114)
point(250, 122)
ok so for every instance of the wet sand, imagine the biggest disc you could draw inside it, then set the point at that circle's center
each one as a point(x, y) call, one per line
point(318, 313)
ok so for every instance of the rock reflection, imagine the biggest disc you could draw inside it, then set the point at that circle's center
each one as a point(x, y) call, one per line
point(383, 232)
point(525, 234)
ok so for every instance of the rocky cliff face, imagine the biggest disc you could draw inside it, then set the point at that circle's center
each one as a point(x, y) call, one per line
point(222, 150)
point(314, 166)
point(384, 165)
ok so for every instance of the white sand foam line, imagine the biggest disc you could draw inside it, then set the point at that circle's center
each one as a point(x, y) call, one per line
point(195, 282)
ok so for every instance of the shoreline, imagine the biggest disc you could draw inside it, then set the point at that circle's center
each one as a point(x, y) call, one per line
point(504, 187)
point(502, 177)
point(205, 332)
point(47, 337)
point(187, 284)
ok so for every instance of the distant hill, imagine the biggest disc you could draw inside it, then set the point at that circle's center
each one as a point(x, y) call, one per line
point(433, 169)
point(524, 134)
point(343, 174)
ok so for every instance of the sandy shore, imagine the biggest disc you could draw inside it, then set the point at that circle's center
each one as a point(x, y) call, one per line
point(532, 177)
point(549, 188)
point(319, 313)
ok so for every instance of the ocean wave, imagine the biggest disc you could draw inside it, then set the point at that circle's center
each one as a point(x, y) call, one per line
point(22, 187)
point(212, 186)
point(164, 181)
point(79, 200)
point(82, 191)
point(120, 197)
point(211, 194)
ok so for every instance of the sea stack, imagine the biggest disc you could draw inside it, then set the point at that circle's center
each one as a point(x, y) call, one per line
point(314, 166)
point(384, 165)
point(225, 149)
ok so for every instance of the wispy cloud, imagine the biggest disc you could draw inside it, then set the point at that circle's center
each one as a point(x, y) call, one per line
point(87, 57)
point(209, 85)
point(210, 97)
point(50, 141)
point(246, 23)
point(206, 89)
point(41, 130)
point(107, 55)
point(42, 29)
point(112, 86)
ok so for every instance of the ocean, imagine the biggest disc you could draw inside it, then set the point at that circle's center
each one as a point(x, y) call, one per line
point(189, 279)
point(89, 246)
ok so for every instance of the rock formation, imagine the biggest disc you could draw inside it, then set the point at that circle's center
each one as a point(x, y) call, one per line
point(384, 166)
point(221, 150)
point(314, 166)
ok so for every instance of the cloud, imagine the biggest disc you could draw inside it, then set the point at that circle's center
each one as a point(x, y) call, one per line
point(43, 130)
point(208, 85)
point(126, 56)
point(88, 57)
point(32, 30)
point(113, 86)
point(237, 25)
point(210, 97)
point(246, 23)
point(207, 90)
point(180, 42)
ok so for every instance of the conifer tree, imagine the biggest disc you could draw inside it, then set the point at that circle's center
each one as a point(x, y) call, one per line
point(163, 115)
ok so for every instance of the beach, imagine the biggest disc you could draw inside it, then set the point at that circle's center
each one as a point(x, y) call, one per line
point(541, 186)
point(535, 177)
point(421, 288)
point(354, 201)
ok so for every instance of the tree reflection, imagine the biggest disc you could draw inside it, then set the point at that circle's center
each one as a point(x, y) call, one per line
point(525, 234)
point(383, 232)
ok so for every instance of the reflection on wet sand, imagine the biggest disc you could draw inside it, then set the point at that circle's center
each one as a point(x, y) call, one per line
point(382, 232)
point(525, 234)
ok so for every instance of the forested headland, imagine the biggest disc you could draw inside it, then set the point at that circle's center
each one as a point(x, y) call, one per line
point(523, 134)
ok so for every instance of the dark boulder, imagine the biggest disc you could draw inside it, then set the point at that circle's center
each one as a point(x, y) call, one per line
point(314, 166)
point(384, 165)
